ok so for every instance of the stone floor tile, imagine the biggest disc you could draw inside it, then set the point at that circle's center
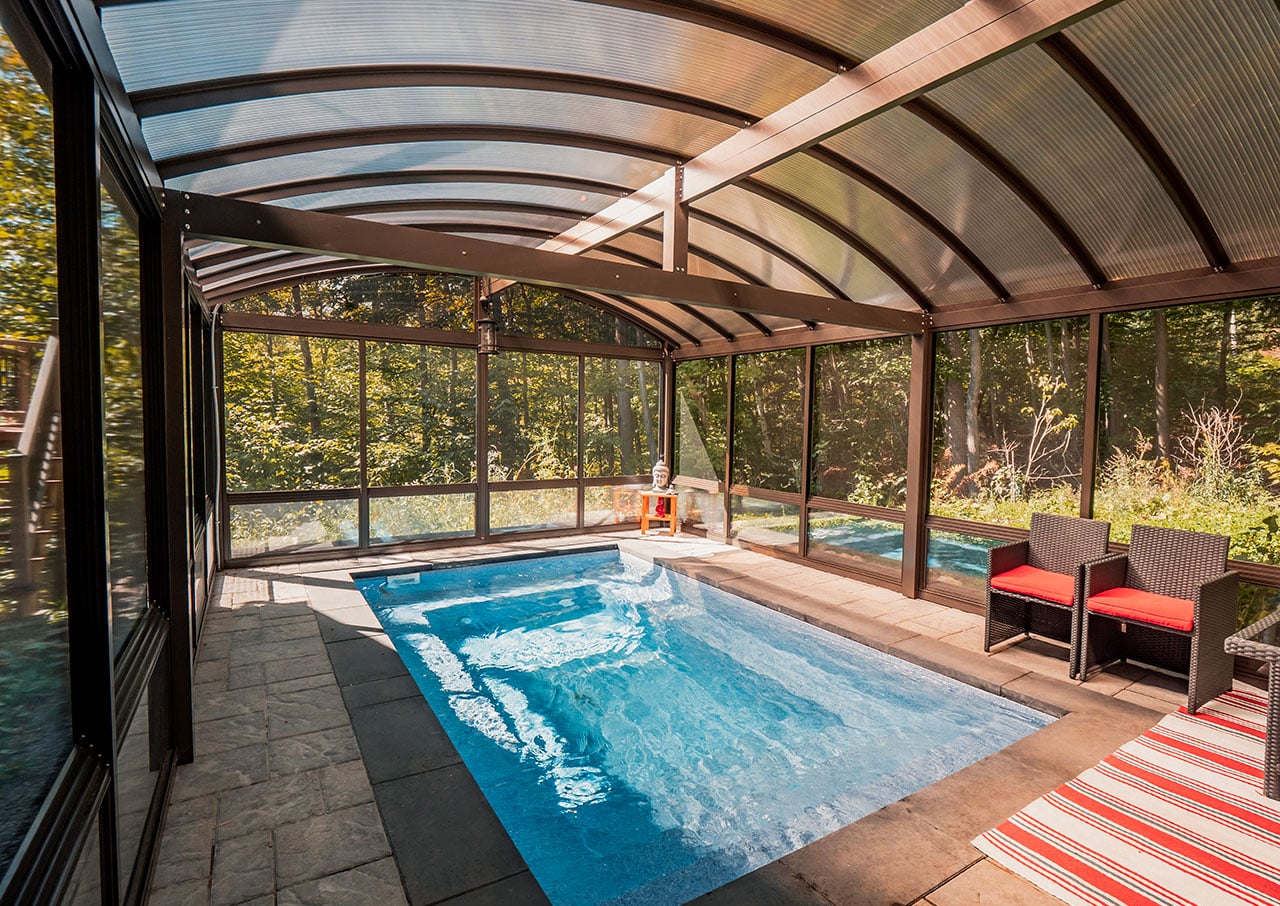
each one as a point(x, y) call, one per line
point(305, 711)
point(970, 640)
point(987, 884)
point(185, 852)
point(348, 623)
point(214, 736)
point(188, 893)
point(874, 607)
point(401, 737)
point(1156, 704)
point(308, 751)
point(293, 667)
point(365, 659)
point(214, 647)
point(232, 703)
point(212, 672)
point(345, 785)
point(222, 771)
point(358, 695)
point(243, 869)
point(910, 609)
point(374, 884)
point(269, 804)
point(771, 885)
point(319, 846)
point(276, 631)
point(265, 652)
point(246, 675)
point(300, 683)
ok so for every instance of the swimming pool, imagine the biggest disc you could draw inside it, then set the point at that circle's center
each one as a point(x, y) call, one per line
point(645, 738)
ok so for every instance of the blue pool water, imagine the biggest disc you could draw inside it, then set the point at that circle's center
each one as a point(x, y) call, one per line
point(968, 557)
point(645, 738)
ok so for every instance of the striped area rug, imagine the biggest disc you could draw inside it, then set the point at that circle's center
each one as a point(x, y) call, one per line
point(1174, 818)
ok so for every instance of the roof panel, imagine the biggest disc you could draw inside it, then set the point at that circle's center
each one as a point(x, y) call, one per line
point(934, 267)
point(755, 260)
point(193, 131)
point(514, 157)
point(182, 41)
point(1206, 76)
point(965, 196)
point(1036, 116)
point(550, 223)
point(551, 196)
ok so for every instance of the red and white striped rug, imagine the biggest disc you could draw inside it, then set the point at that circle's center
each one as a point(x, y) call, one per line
point(1174, 818)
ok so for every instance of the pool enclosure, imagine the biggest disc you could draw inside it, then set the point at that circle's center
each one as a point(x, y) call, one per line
point(302, 280)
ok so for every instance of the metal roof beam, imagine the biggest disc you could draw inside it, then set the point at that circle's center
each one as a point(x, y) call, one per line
point(971, 36)
point(271, 226)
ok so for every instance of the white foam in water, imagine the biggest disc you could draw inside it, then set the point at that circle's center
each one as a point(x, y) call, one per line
point(645, 738)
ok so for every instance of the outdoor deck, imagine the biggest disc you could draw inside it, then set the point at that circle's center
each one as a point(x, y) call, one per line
point(321, 776)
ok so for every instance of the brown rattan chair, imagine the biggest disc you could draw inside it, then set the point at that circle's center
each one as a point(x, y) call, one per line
point(1033, 586)
point(1259, 641)
point(1170, 602)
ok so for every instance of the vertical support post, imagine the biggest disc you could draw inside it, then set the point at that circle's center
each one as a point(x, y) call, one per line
point(76, 177)
point(667, 413)
point(582, 414)
point(166, 461)
point(675, 226)
point(806, 459)
point(730, 404)
point(362, 506)
point(222, 509)
point(482, 446)
point(1092, 402)
point(919, 447)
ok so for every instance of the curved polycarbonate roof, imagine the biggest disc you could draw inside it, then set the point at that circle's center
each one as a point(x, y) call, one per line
point(1140, 141)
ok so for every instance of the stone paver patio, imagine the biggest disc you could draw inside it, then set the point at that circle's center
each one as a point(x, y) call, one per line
point(322, 777)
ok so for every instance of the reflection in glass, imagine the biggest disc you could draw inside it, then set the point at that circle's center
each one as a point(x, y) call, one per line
point(768, 423)
point(871, 545)
point(35, 718)
point(613, 505)
point(958, 563)
point(136, 775)
point(859, 422)
point(765, 523)
point(620, 432)
point(1190, 423)
point(533, 416)
point(292, 412)
point(533, 509)
point(1008, 409)
point(421, 414)
point(85, 888)
point(702, 411)
point(702, 509)
point(122, 416)
point(444, 301)
point(272, 528)
point(421, 518)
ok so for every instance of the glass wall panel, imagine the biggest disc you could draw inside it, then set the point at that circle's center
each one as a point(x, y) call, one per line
point(292, 412)
point(701, 420)
point(533, 509)
point(533, 416)
point(859, 427)
point(122, 414)
point(766, 523)
point(422, 518)
point(85, 888)
point(136, 775)
point(958, 563)
point(1190, 423)
point(535, 311)
point(421, 414)
point(272, 528)
point(35, 716)
point(613, 505)
point(443, 301)
point(871, 545)
point(620, 430)
point(768, 399)
point(1008, 410)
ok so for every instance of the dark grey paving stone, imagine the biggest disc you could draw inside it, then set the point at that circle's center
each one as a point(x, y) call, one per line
point(445, 858)
point(365, 659)
point(233, 703)
point(328, 844)
point(374, 884)
point(401, 737)
point(215, 736)
point(305, 711)
point(517, 890)
point(264, 652)
point(345, 623)
point(188, 893)
point(769, 885)
point(359, 695)
point(345, 785)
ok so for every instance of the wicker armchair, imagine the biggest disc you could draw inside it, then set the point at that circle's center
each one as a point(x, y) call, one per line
point(1033, 586)
point(1169, 603)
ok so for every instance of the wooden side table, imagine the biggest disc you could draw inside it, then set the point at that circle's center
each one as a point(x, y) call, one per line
point(670, 516)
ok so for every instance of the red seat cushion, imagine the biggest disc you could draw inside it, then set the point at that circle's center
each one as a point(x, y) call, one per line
point(1038, 583)
point(1144, 607)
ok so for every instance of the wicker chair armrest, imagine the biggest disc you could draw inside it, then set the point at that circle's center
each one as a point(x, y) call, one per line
point(1217, 604)
point(1106, 572)
point(1005, 557)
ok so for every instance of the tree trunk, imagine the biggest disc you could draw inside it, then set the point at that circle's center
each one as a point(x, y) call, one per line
point(308, 370)
point(971, 402)
point(1163, 421)
point(650, 431)
point(954, 424)
point(1224, 350)
point(626, 422)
